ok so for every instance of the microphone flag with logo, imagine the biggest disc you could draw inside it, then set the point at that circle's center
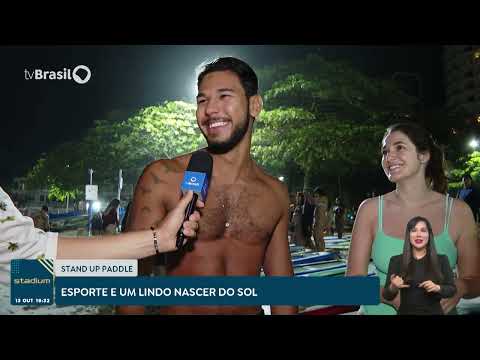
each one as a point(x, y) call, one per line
point(196, 178)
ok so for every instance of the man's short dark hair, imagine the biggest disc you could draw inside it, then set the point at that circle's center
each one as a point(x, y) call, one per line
point(245, 73)
point(467, 176)
point(45, 208)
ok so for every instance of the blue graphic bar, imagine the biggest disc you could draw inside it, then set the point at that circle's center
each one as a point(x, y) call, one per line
point(268, 290)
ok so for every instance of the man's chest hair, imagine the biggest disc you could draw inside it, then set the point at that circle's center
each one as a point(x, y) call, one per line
point(236, 212)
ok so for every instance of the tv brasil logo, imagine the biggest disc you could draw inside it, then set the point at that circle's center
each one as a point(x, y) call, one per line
point(65, 74)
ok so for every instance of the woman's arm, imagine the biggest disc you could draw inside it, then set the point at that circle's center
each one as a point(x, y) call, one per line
point(362, 240)
point(468, 261)
point(468, 248)
point(19, 239)
point(132, 245)
point(363, 234)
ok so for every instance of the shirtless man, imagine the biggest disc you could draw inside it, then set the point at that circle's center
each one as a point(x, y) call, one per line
point(244, 224)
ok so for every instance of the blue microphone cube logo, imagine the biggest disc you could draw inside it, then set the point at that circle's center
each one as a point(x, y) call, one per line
point(197, 182)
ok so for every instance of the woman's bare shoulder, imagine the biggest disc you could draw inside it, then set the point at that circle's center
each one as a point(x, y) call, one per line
point(461, 215)
point(369, 206)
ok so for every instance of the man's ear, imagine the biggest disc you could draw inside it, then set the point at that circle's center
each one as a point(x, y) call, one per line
point(255, 105)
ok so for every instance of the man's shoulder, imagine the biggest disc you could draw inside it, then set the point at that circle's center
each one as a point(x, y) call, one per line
point(160, 176)
point(169, 166)
point(271, 183)
point(161, 170)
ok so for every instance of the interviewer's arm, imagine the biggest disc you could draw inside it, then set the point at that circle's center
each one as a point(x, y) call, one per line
point(132, 245)
point(148, 207)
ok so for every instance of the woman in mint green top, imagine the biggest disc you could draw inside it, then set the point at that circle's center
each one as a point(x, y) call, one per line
point(415, 164)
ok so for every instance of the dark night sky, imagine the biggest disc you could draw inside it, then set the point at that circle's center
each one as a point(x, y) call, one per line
point(38, 114)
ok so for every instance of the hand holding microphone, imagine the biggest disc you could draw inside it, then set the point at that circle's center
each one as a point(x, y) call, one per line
point(197, 179)
point(175, 219)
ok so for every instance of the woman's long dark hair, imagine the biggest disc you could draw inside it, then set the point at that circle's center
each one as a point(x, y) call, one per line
point(423, 141)
point(114, 204)
point(432, 263)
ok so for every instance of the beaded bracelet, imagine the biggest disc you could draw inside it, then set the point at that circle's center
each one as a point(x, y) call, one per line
point(155, 243)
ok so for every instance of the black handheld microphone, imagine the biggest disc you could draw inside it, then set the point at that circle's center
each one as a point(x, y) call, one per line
point(196, 178)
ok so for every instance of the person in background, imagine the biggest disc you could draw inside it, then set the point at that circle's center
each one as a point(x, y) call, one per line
point(321, 220)
point(470, 195)
point(125, 217)
point(339, 214)
point(42, 220)
point(307, 217)
point(298, 237)
point(110, 217)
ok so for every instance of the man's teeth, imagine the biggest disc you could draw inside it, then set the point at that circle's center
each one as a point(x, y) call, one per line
point(394, 167)
point(217, 124)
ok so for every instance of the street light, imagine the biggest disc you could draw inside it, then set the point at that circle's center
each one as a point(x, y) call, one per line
point(473, 143)
point(96, 206)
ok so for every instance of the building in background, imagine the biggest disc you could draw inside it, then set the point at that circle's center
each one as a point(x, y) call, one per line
point(462, 81)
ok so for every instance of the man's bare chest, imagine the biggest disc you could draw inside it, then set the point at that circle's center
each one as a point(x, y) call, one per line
point(237, 213)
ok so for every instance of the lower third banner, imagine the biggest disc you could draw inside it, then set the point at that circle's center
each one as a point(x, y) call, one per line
point(235, 290)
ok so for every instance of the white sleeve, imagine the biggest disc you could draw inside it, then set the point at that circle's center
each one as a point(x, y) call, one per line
point(19, 239)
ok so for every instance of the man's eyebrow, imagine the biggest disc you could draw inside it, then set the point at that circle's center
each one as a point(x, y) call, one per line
point(219, 90)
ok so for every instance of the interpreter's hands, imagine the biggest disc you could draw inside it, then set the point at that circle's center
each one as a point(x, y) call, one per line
point(397, 282)
point(430, 286)
point(168, 228)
